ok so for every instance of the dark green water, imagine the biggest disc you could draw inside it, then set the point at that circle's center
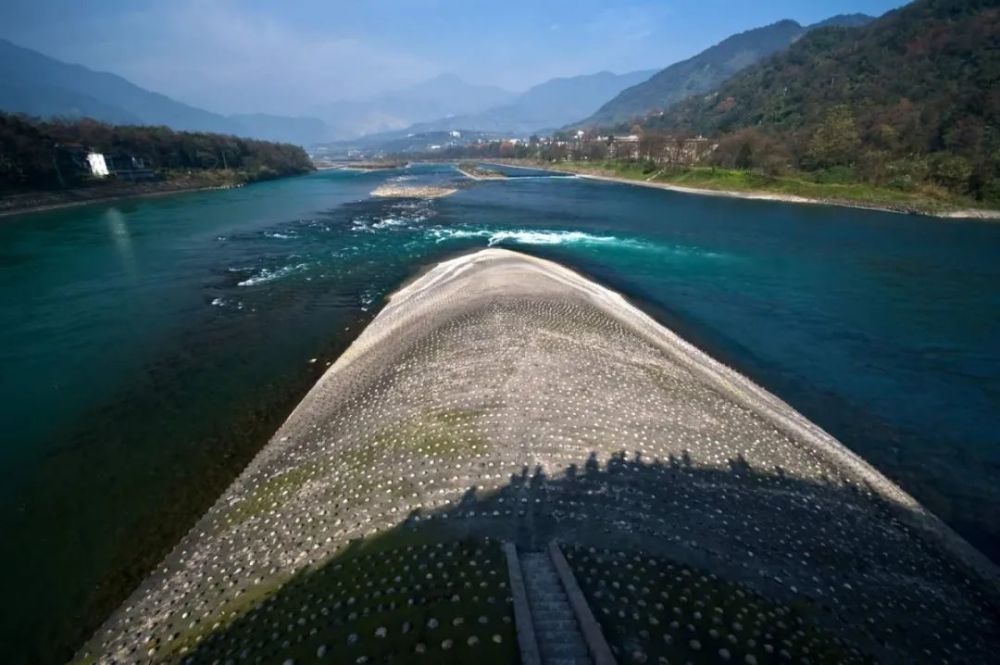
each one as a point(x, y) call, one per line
point(149, 348)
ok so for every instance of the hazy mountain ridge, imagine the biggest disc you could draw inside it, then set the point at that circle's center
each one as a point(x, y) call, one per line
point(708, 69)
point(440, 97)
point(41, 86)
point(545, 106)
point(38, 85)
point(302, 130)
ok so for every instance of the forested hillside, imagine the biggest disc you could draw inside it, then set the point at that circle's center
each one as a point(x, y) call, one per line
point(38, 155)
point(707, 70)
point(912, 100)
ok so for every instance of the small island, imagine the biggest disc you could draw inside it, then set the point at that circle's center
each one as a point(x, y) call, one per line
point(412, 192)
point(372, 165)
point(479, 172)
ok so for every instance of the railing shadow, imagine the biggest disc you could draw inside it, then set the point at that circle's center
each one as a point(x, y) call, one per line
point(823, 571)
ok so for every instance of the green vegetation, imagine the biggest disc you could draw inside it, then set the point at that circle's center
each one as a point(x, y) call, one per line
point(477, 171)
point(910, 103)
point(51, 156)
point(400, 595)
point(444, 433)
point(703, 72)
point(268, 494)
point(820, 186)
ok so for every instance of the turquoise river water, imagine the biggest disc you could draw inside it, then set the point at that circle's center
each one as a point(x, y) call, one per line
point(149, 347)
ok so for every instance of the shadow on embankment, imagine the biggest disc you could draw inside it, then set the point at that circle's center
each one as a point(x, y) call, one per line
point(677, 561)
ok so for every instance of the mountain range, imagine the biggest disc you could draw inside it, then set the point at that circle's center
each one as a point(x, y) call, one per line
point(37, 85)
point(707, 70)
point(910, 100)
point(440, 97)
point(561, 102)
point(543, 107)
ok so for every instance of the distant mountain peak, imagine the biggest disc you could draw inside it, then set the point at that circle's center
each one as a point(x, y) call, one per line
point(709, 68)
point(446, 77)
point(543, 107)
point(844, 21)
point(697, 74)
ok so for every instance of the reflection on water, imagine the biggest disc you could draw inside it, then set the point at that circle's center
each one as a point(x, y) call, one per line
point(118, 230)
point(150, 348)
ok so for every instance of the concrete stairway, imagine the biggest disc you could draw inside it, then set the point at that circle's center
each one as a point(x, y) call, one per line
point(556, 629)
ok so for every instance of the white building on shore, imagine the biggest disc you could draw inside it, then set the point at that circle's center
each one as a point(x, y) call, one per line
point(98, 165)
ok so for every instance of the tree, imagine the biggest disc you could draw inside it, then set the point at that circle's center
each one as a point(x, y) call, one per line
point(595, 150)
point(836, 141)
point(750, 150)
point(744, 158)
point(652, 147)
point(37, 154)
point(951, 171)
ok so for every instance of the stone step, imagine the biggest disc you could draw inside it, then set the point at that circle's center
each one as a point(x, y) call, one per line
point(555, 624)
point(546, 616)
point(551, 605)
point(556, 630)
point(552, 613)
point(550, 635)
point(560, 648)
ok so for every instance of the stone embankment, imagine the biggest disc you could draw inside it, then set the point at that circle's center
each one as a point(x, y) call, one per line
point(500, 399)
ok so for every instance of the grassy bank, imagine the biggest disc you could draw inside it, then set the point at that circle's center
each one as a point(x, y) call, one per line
point(793, 187)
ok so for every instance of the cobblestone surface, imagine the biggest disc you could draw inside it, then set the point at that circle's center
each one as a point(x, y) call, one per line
point(500, 397)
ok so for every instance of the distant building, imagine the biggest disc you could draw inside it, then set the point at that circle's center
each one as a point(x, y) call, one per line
point(126, 166)
point(624, 147)
point(696, 149)
point(98, 167)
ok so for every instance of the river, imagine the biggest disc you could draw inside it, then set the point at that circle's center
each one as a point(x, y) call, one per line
point(149, 347)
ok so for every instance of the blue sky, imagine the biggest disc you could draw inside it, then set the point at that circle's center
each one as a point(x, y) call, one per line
point(290, 56)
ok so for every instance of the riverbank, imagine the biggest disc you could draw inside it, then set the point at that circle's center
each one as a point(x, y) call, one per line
point(40, 201)
point(737, 184)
